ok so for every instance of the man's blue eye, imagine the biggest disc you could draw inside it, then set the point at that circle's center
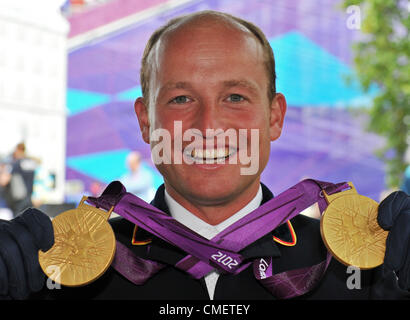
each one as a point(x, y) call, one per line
point(180, 100)
point(235, 98)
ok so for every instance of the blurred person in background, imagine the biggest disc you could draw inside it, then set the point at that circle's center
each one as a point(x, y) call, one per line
point(5, 212)
point(43, 185)
point(96, 188)
point(18, 180)
point(138, 180)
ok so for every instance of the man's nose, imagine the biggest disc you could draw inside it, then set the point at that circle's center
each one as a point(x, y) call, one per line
point(209, 117)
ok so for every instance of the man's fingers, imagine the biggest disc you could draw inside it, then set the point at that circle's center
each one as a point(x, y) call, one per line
point(11, 255)
point(40, 227)
point(29, 250)
point(391, 207)
point(404, 274)
point(398, 242)
point(4, 283)
point(20, 241)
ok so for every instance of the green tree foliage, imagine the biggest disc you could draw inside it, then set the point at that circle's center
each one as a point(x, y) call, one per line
point(382, 58)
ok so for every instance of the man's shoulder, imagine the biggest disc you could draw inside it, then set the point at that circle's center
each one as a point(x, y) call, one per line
point(306, 248)
point(123, 229)
point(131, 235)
point(306, 227)
point(301, 227)
point(309, 239)
point(120, 224)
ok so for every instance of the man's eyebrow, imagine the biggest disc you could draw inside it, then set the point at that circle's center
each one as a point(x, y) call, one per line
point(240, 83)
point(177, 85)
point(227, 84)
point(171, 85)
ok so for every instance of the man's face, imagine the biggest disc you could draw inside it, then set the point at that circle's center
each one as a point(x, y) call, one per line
point(211, 78)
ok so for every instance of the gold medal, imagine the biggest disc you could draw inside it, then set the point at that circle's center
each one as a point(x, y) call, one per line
point(84, 246)
point(350, 230)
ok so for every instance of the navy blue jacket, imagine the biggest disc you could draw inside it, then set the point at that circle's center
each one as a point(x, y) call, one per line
point(171, 283)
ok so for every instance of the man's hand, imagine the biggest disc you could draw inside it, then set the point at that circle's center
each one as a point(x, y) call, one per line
point(394, 216)
point(20, 241)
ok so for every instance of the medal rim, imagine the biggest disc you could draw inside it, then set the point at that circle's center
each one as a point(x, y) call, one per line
point(325, 241)
point(41, 254)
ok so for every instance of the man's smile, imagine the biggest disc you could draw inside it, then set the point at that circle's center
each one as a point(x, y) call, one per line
point(210, 155)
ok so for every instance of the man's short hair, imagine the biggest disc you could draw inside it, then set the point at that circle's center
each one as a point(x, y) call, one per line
point(146, 69)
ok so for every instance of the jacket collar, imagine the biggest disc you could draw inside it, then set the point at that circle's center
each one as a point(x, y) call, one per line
point(151, 247)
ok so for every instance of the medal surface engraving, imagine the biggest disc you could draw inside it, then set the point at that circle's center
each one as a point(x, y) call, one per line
point(350, 231)
point(84, 246)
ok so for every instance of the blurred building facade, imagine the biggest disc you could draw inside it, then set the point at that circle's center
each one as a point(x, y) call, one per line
point(33, 81)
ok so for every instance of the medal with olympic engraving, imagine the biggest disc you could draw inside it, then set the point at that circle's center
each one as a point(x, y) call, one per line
point(350, 230)
point(84, 246)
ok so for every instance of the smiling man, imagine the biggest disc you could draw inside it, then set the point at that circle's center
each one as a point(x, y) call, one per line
point(208, 82)
point(210, 79)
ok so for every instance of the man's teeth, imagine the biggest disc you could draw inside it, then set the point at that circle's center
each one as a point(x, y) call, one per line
point(210, 153)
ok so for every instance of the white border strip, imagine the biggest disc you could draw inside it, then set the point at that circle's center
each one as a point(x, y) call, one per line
point(87, 37)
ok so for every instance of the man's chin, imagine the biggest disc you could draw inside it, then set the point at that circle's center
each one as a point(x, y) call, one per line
point(208, 186)
point(217, 192)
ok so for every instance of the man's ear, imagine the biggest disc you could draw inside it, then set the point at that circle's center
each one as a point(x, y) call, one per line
point(277, 115)
point(143, 119)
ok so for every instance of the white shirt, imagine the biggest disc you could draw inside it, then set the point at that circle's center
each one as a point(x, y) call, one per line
point(208, 231)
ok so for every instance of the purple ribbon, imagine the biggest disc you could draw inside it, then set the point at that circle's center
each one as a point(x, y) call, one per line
point(132, 267)
point(222, 251)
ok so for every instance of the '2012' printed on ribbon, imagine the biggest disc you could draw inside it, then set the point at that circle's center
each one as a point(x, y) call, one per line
point(224, 259)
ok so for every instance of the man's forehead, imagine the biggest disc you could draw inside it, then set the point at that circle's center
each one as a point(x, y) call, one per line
point(207, 20)
point(197, 24)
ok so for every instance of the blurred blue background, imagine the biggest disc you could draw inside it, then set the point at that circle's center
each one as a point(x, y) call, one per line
point(323, 137)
